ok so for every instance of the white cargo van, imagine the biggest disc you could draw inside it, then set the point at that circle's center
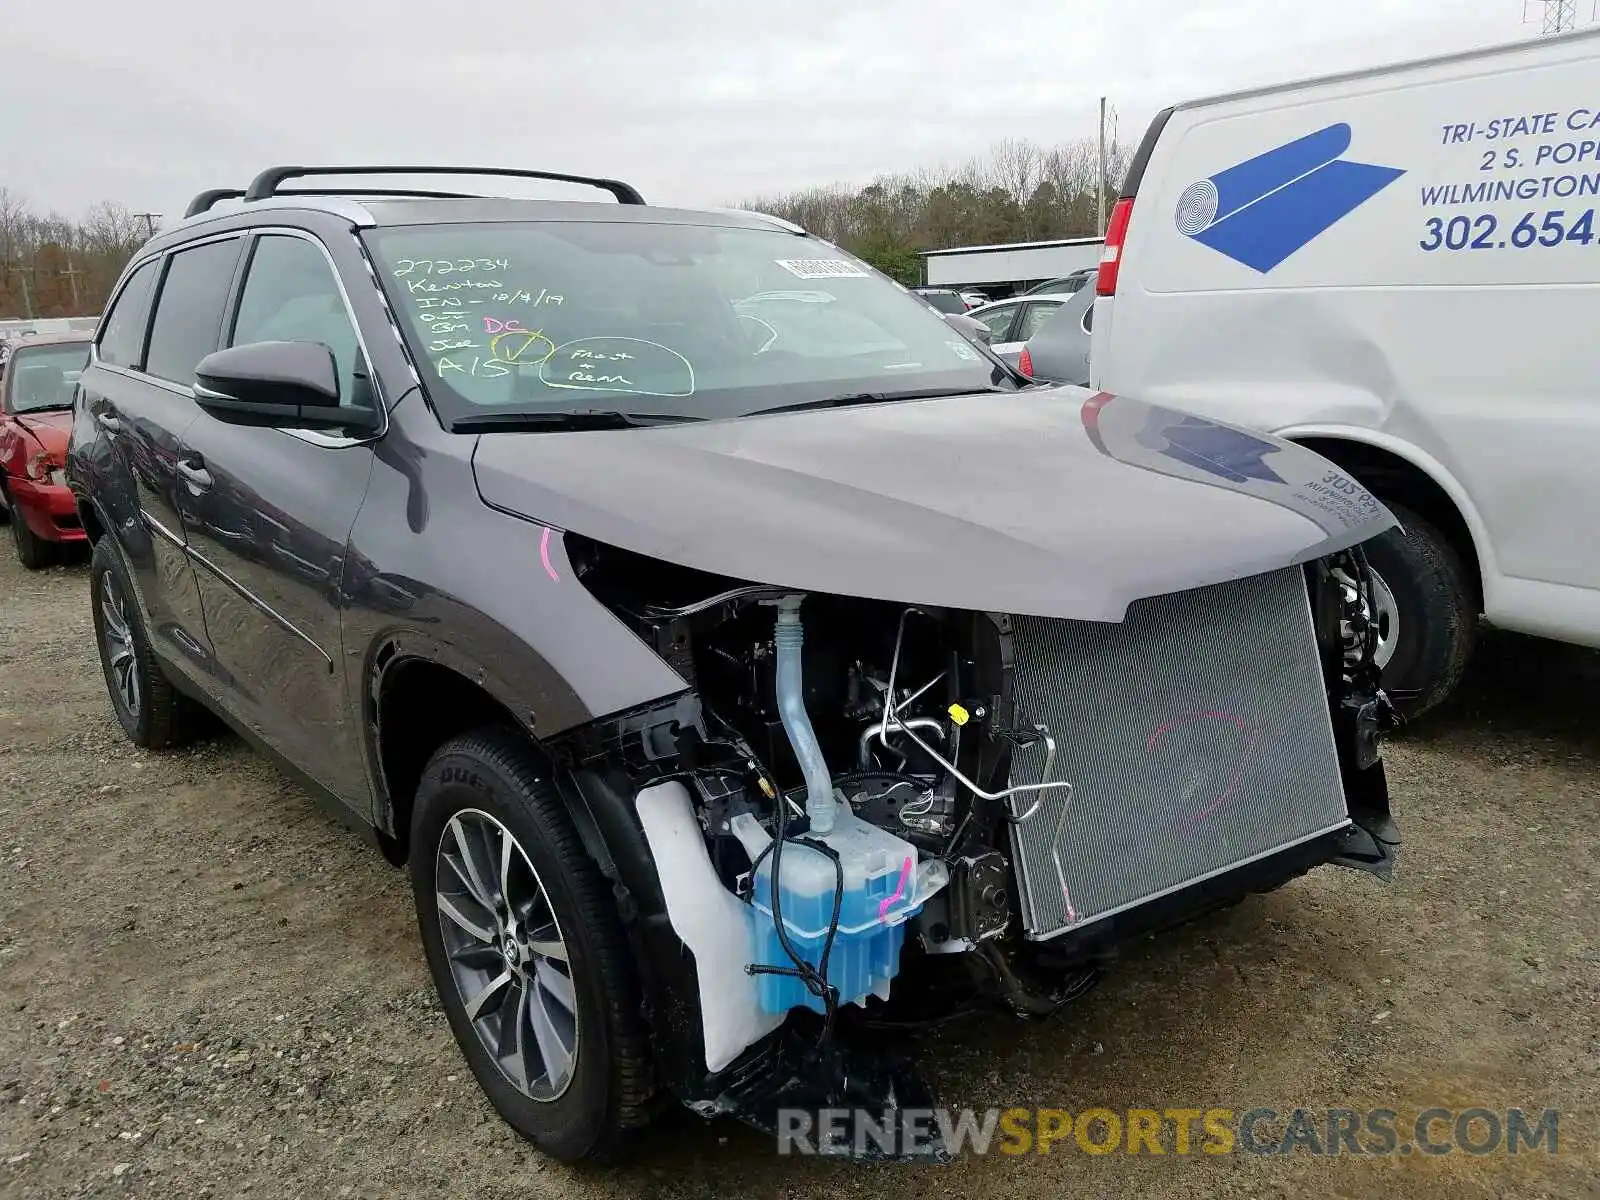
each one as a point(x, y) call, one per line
point(1400, 268)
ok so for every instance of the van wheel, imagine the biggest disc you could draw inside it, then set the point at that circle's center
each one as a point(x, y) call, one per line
point(526, 950)
point(1427, 618)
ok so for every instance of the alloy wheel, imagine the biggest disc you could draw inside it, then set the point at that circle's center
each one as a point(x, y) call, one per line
point(117, 644)
point(1386, 613)
point(506, 954)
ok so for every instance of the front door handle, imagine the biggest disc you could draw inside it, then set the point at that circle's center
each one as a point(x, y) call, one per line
point(195, 474)
point(108, 421)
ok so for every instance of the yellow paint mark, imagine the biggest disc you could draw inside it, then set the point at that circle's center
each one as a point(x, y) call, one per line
point(517, 352)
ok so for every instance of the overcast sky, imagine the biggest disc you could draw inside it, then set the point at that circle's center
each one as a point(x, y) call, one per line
point(695, 101)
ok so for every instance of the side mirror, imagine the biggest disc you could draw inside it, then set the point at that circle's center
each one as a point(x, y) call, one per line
point(286, 384)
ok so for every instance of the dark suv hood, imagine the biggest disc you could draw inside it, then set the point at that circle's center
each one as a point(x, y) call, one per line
point(1048, 503)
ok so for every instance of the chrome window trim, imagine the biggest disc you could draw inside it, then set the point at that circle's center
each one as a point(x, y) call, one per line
point(128, 272)
point(312, 437)
point(155, 303)
point(317, 437)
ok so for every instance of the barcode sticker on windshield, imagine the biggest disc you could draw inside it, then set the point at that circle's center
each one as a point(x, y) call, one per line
point(821, 268)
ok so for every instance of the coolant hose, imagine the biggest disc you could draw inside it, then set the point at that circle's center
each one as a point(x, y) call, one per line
point(789, 640)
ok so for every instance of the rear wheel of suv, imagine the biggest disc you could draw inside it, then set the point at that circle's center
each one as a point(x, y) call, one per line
point(526, 949)
point(1427, 617)
point(152, 712)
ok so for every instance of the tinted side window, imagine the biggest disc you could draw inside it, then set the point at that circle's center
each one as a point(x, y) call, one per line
point(290, 295)
point(1035, 316)
point(189, 309)
point(122, 331)
point(998, 320)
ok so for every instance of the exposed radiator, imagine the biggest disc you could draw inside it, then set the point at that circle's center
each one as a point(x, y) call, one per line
point(1196, 734)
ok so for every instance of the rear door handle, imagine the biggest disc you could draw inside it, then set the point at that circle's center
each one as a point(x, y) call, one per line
point(108, 422)
point(195, 474)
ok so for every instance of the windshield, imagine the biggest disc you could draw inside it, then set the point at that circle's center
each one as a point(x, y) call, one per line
point(40, 378)
point(657, 320)
point(945, 301)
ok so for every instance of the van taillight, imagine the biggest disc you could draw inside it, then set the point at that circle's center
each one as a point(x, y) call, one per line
point(1025, 363)
point(1105, 283)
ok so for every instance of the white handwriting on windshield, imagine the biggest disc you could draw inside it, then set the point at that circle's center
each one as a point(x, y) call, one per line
point(526, 296)
point(453, 285)
point(585, 364)
point(477, 366)
point(618, 356)
point(447, 266)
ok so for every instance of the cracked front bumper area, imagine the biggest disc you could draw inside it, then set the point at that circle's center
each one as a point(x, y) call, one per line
point(47, 508)
point(1181, 812)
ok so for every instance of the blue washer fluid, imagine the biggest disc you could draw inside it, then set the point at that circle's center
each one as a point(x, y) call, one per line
point(880, 894)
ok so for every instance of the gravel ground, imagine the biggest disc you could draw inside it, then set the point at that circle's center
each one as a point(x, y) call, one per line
point(206, 989)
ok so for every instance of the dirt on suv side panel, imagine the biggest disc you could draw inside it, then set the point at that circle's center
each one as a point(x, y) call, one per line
point(730, 649)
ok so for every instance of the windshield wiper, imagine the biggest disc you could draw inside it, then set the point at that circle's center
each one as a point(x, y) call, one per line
point(563, 421)
point(848, 399)
point(39, 408)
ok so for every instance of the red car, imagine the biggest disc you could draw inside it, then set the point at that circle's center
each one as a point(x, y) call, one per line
point(35, 424)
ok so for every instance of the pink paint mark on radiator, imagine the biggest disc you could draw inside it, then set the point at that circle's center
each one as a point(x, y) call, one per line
point(887, 902)
point(1250, 734)
point(1187, 718)
point(544, 555)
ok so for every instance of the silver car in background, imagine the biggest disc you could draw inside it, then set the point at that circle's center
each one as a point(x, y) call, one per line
point(1057, 350)
point(1012, 322)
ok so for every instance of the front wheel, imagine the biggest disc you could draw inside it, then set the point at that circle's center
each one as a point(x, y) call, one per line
point(1426, 613)
point(33, 552)
point(524, 944)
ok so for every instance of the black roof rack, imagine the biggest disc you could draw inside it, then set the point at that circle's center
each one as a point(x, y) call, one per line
point(206, 199)
point(266, 184)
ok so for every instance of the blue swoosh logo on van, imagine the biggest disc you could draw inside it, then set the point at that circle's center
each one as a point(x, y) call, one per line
point(1262, 210)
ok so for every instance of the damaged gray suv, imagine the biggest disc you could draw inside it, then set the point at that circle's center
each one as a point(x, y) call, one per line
point(743, 663)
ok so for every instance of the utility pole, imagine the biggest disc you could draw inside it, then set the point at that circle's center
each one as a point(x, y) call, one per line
point(150, 220)
point(72, 274)
point(27, 296)
point(1557, 16)
point(1560, 16)
point(1100, 190)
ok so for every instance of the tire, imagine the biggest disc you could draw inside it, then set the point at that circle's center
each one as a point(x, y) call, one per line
point(158, 716)
point(1433, 606)
point(33, 552)
point(487, 781)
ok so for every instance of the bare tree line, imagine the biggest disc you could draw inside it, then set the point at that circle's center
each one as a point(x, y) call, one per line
point(53, 266)
point(1019, 191)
